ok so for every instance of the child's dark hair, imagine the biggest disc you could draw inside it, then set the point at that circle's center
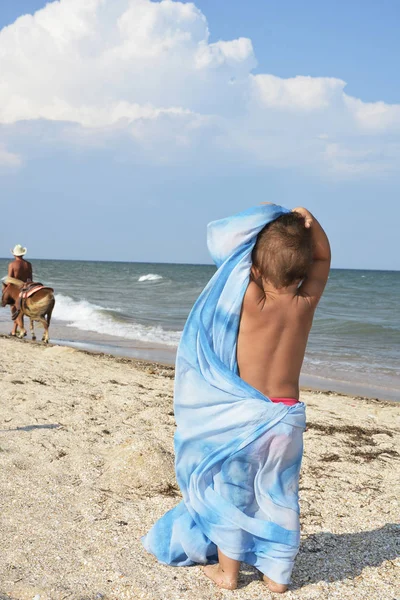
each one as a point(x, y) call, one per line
point(284, 251)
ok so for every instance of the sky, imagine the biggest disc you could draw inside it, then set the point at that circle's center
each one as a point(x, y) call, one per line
point(127, 125)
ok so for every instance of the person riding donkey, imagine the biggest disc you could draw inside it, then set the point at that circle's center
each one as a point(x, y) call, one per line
point(26, 297)
point(20, 269)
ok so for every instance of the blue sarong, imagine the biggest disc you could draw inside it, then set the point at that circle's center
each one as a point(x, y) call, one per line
point(238, 454)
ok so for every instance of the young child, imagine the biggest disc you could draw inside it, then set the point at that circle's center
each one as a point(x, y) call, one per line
point(239, 436)
point(291, 261)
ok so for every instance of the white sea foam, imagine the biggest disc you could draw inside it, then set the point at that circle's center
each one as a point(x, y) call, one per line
point(150, 277)
point(91, 317)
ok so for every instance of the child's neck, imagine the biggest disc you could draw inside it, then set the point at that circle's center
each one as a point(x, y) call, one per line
point(289, 290)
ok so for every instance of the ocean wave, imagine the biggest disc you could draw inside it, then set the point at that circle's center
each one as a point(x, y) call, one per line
point(340, 325)
point(150, 277)
point(91, 317)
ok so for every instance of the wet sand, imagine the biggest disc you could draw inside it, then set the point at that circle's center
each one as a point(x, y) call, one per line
point(86, 467)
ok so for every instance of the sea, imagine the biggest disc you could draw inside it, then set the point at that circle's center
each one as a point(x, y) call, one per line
point(139, 310)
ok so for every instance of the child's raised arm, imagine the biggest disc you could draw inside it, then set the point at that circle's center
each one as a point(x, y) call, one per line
point(314, 285)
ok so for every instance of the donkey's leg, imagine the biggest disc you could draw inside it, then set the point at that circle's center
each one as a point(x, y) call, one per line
point(50, 311)
point(21, 314)
point(20, 323)
point(45, 337)
point(14, 330)
point(32, 328)
point(48, 317)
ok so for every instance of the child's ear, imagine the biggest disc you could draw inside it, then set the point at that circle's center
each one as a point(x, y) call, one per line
point(255, 273)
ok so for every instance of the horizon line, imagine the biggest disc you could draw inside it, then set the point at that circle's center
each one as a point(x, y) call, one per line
point(210, 264)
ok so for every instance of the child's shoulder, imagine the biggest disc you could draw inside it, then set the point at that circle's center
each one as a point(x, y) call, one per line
point(254, 297)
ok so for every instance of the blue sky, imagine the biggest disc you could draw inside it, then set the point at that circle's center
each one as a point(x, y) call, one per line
point(123, 147)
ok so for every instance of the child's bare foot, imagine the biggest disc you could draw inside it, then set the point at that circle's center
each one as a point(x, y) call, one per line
point(278, 588)
point(217, 575)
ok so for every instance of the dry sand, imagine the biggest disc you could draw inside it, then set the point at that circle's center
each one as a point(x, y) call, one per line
point(86, 467)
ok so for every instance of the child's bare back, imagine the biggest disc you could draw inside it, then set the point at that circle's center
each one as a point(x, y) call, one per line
point(272, 340)
point(290, 268)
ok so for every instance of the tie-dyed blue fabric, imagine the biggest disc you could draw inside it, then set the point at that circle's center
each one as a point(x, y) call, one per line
point(238, 454)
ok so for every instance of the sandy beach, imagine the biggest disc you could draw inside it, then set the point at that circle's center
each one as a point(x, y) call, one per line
point(87, 466)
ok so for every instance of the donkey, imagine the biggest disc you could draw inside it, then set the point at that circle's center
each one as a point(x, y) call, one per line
point(37, 304)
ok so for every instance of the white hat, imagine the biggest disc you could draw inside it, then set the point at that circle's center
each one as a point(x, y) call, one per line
point(18, 250)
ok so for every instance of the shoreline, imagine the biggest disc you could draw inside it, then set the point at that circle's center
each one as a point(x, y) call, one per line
point(163, 355)
point(353, 348)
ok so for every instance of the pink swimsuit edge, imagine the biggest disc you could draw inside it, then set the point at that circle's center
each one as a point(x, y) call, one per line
point(287, 401)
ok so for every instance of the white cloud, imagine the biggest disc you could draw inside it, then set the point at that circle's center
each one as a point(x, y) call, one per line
point(146, 70)
point(297, 93)
point(9, 159)
point(237, 54)
point(99, 61)
point(374, 116)
point(355, 161)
